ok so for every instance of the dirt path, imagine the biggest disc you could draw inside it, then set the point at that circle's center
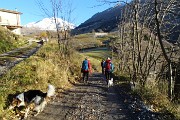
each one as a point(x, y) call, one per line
point(92, 101)
point(11, 58)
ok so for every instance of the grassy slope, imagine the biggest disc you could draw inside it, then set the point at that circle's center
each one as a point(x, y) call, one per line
point(46, 66)
point(9, 41)
point(98, 54)
point(87, 41)
point(36, 72)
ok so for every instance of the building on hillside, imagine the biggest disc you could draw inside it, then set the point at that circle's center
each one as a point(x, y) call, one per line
point(11, 20)
point(100, 34)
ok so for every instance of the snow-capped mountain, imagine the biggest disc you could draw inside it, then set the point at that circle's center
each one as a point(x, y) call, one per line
point(49, 24)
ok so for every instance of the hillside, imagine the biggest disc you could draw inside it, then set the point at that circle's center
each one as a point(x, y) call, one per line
point(109, 19)
point(104, 21)
point(9, 40)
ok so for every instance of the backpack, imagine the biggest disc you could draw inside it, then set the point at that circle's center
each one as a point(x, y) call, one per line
point(108, 65)
point(85, 65)
point(112, 67)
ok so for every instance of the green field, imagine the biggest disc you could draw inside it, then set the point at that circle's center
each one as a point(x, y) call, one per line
point(97, 53)
point(95, 56)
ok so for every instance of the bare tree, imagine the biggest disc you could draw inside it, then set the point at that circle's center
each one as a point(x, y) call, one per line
point(59, 9)
point(166, 10)
point(141, 25)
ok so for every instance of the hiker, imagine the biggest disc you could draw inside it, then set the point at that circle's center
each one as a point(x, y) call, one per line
point(85, 69)
point(109, 67)
point(102, 66)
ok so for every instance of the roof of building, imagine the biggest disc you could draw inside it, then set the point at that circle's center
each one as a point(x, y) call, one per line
point(10, 11)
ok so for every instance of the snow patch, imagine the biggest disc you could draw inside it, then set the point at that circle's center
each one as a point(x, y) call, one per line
point(49, 24)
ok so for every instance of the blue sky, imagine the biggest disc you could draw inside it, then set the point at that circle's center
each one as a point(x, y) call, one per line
point(82, 9)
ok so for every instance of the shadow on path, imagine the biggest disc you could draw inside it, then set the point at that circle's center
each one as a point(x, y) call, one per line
point(95, 101)
point(91, 101)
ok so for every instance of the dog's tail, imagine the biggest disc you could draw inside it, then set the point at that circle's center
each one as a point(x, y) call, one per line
point(51, 91)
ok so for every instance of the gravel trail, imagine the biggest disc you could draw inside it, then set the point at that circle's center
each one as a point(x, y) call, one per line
point(95, 101)
point(91, 101)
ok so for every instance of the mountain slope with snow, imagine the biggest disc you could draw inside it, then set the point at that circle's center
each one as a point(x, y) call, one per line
point(49, 24)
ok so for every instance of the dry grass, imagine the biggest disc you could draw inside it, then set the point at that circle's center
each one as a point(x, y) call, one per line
point(46, 66)
point(158, 100)
point(9, 41)
point(86, 41)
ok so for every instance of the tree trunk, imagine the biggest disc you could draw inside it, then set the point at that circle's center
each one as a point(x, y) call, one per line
point(177, 84)
point(163, 50)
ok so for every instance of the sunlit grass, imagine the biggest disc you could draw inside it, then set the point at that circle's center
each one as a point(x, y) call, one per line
point(45, 67)
point(98, 53)
point(9, 41)
point(88, 40)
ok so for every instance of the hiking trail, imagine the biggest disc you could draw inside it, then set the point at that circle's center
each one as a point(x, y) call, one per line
point(95, 101)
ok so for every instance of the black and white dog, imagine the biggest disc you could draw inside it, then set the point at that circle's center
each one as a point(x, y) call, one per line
point(34, 100)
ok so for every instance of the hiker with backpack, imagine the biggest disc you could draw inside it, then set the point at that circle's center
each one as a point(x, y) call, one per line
point(109, 67)
point(85, 69)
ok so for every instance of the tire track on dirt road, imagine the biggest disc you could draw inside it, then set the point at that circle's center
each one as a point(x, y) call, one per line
point(92, 101)
point(17, 56)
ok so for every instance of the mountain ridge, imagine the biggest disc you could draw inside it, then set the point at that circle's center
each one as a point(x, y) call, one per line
point(109, 19)
point(49, 24)
point(106, 21)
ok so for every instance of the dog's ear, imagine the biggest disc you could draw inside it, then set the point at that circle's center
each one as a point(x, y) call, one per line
point(9, 101)
point(14, 99)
